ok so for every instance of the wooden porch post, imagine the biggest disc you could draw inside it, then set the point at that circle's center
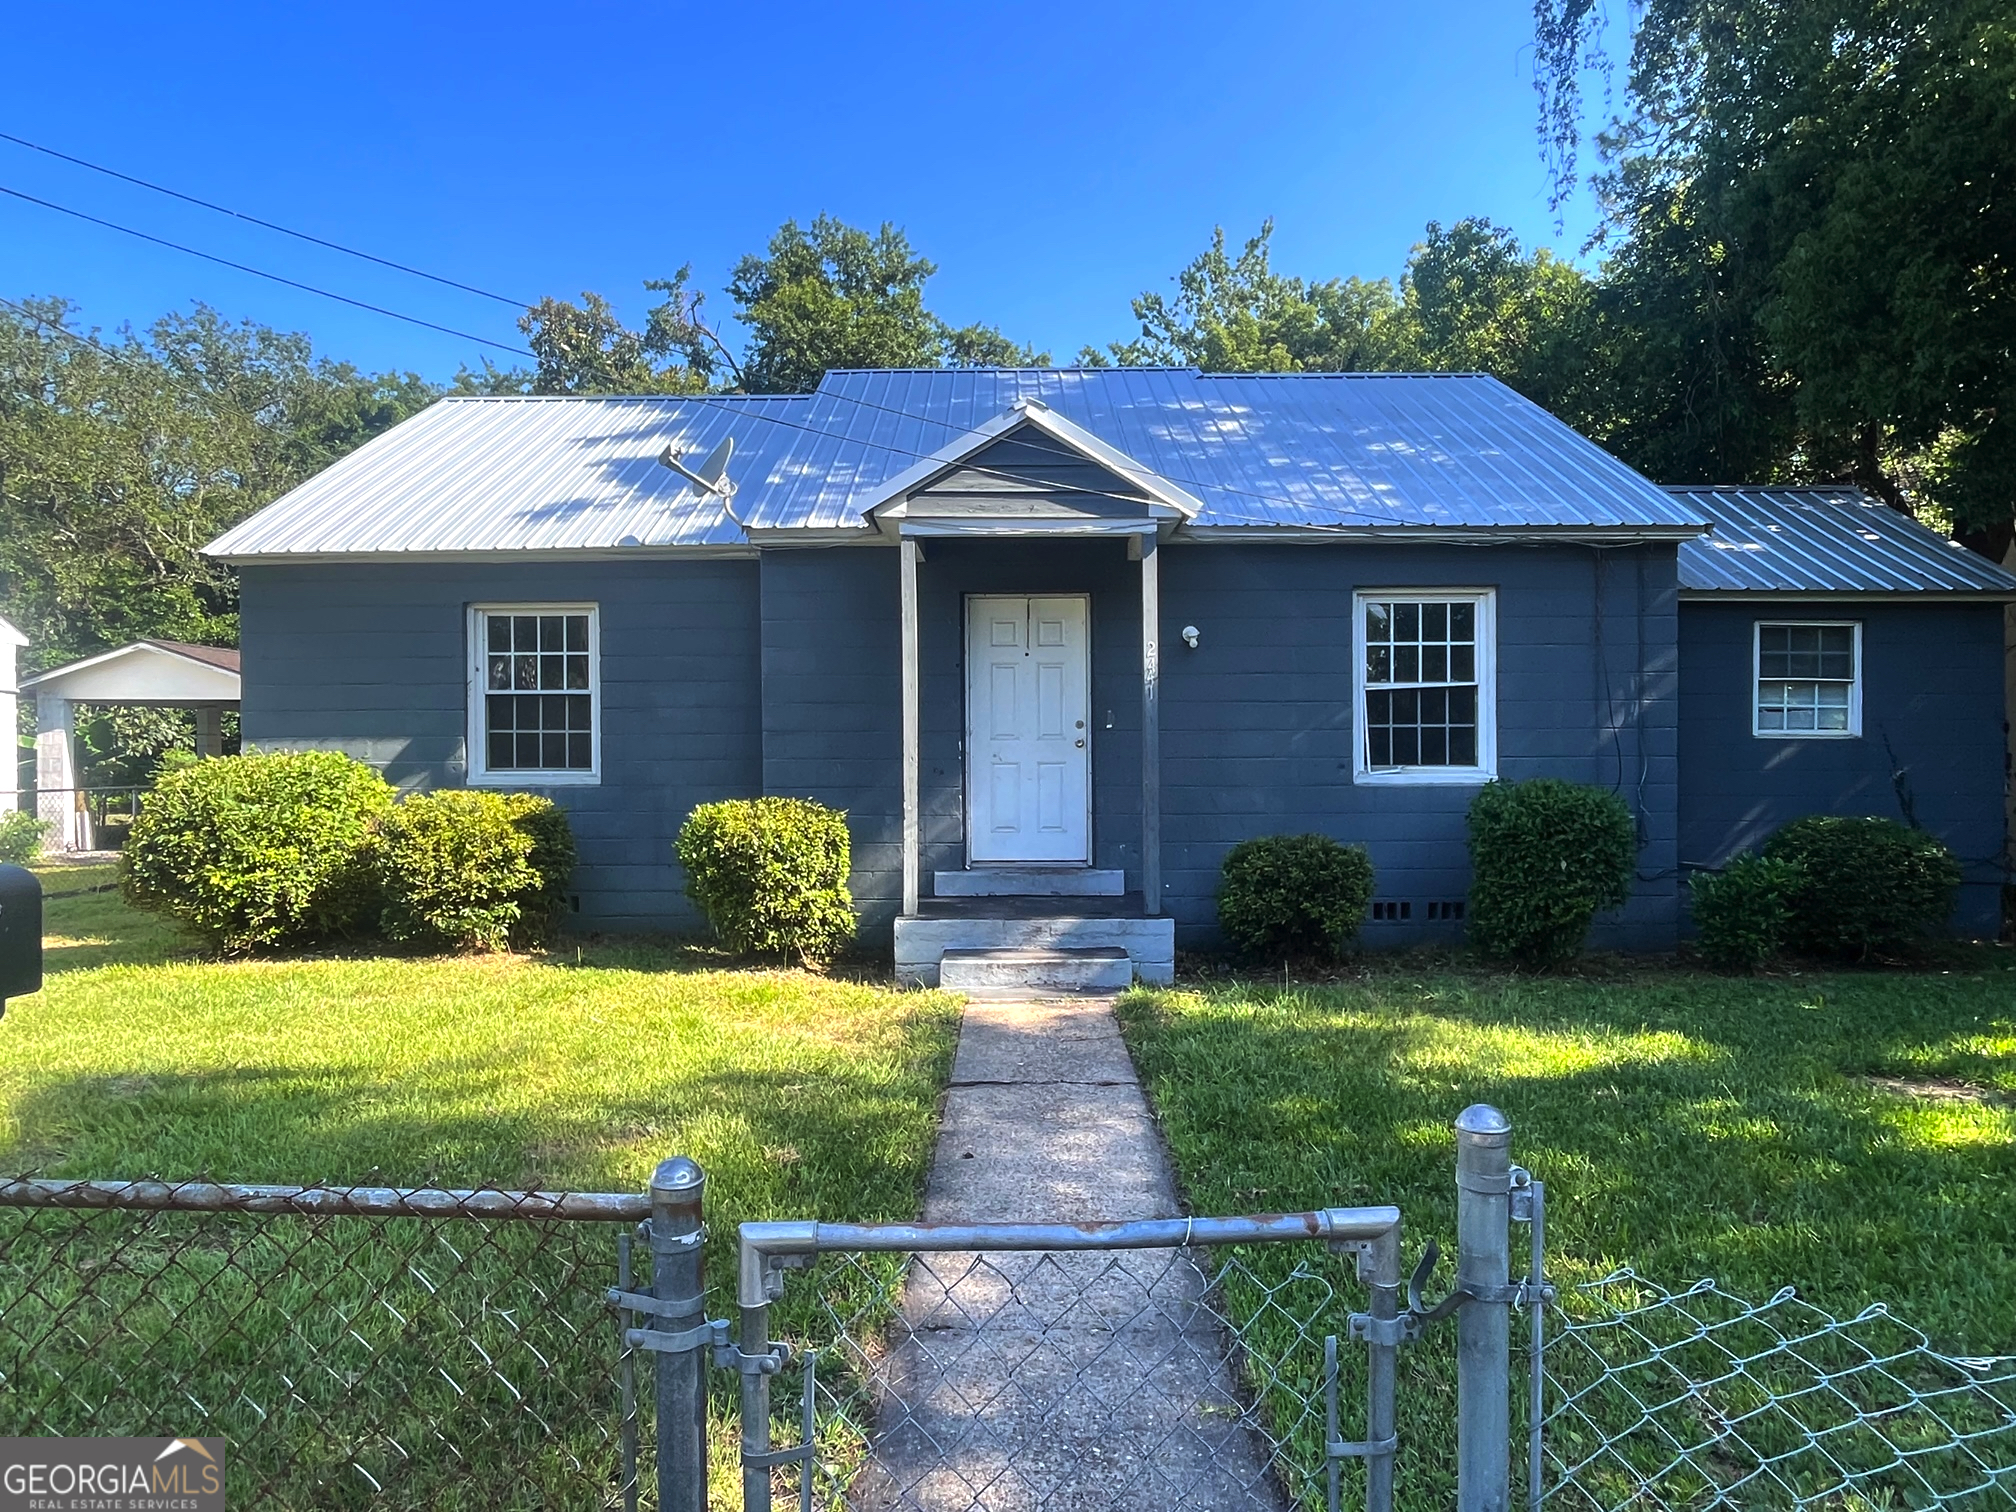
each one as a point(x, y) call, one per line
point(1151, 727)
point(912, 745)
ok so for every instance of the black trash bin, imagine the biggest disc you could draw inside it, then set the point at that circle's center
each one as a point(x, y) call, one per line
point(20, 933)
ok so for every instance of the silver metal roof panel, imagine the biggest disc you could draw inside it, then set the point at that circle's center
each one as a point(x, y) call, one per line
point(1824, 540)
point(1257, 451)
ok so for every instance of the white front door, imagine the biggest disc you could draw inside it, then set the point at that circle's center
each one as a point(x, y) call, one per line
point(1028, 761)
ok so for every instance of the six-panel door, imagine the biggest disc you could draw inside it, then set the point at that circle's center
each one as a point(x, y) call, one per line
point(1028, 753)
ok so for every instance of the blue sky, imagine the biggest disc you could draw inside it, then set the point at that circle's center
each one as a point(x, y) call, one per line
point(1053, 159)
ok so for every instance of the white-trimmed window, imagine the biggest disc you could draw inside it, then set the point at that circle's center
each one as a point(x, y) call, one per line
point(1807, 679)
point(1425, 685)
point(535, 694)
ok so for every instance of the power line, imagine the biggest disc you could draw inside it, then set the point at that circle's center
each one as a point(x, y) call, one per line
point(334, 246)
point(383, 262)
point(291, 283)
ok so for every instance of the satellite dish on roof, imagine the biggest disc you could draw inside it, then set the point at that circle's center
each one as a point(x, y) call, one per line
point(711, 476)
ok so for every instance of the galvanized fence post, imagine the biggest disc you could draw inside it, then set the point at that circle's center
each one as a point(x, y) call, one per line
point(1382, 1361)
point(678, 1193)
point(757, 1456)
point(1483, 1322)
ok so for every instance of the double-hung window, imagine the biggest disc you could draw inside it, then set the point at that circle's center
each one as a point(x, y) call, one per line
point(1807, 680)
point(1425, 686)
point(535, 695)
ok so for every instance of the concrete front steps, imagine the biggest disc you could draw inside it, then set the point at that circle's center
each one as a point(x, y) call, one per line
point(1028, 882)
point(1016, 974)
point(1040, 941)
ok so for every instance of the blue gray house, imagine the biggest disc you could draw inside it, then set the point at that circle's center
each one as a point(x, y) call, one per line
point(1056, 639)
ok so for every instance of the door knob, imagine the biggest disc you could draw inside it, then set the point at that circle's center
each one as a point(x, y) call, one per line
point(1081, 742)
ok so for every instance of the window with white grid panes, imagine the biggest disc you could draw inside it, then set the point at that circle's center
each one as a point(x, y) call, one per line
point(1424, 681)
point(1808, 679)
point(535, 711)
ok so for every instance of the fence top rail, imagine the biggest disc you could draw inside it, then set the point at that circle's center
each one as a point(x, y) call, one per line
point(767, 1245)
point(367, 1202)
point(1334, 1224)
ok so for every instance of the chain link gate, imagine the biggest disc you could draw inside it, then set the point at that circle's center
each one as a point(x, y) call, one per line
point(1139, 1364)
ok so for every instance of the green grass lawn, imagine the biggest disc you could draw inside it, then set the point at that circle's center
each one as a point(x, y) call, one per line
point(802, 1096)
point(1853, 1134)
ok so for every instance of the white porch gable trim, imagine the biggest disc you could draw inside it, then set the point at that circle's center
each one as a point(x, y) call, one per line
point(1039, 416)
point(1144, 547)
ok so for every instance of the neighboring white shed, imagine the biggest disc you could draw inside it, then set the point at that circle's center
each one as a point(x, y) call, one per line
point(11, 642)
point(159, 673)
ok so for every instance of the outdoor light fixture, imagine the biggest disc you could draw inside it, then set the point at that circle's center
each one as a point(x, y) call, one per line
point(1191, 635)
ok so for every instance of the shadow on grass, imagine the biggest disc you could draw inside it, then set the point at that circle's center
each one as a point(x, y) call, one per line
point(1681, 1129)
point(776, 1142)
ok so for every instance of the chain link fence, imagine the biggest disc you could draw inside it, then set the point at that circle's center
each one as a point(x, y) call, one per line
point(1697, 1398)
point(369, 1347)
point(354, 1347)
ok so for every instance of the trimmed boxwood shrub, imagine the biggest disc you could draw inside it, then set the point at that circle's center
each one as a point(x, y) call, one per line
point(1744, 911)
point(1546, 857)
point(771, 875)
point(261, 850)
point(1293, 895)
point(1871, 886)
point(21, 836)
point(474, 870)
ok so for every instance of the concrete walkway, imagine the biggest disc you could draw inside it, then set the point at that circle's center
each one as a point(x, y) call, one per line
point(1067, 1381)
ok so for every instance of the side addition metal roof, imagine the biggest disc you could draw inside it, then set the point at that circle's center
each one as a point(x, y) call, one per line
point(1326, 452)
point(1834, 540)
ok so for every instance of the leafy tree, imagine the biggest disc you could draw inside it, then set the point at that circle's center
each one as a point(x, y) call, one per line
point(830, 295)
point(121, 455)
point(1471, 300)
point(1812, 201)
point(585, 349)
point(823, 296)
point(1477, 302)
point(1235, 314)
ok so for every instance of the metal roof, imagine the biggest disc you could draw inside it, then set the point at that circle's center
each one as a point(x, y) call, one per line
point(1824, 540)
point(1327, 451)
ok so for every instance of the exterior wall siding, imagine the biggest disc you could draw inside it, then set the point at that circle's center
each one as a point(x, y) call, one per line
point(1258, 723)
point(372, 659)
point(1931, 749)
point(832, 713)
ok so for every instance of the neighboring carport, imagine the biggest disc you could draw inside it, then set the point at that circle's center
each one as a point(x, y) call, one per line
point(147, 673)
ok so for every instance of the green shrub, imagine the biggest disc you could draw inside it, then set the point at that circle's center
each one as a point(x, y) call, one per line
point(1292, 895)
point(261, 850)
point(771, 875)
point(1744, 911)
point(1546, 857)
point(21, 837)
point(474, 870)
point(1871, 887)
